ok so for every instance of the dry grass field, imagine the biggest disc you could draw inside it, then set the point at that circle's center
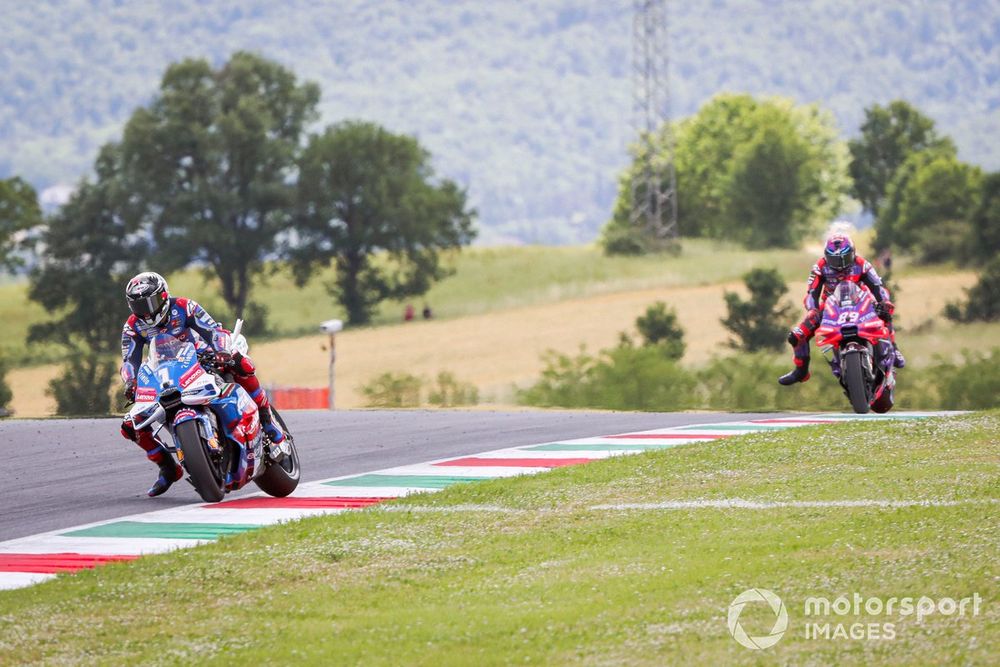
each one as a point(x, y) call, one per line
point(499, 349)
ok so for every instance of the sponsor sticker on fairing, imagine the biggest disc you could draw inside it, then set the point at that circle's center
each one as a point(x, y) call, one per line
point(145, 395)
point(191, 375)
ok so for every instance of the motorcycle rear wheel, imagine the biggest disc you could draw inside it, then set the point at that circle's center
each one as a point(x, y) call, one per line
point(854, 378)
point(207, 482)
point(281, 478)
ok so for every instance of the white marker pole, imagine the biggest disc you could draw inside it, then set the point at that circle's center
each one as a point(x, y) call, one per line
point(331, 327)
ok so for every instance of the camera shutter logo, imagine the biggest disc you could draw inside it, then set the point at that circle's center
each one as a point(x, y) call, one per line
point(780, 622)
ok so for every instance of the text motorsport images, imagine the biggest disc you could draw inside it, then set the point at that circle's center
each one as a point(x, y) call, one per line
point(857, 605)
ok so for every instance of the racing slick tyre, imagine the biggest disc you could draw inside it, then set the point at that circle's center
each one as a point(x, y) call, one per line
point(854, 377)
point(208, 481)
point(281, 477)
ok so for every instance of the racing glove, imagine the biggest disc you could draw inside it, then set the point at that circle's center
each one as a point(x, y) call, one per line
point(223, 359)
point(884, 310)
point(130, 391)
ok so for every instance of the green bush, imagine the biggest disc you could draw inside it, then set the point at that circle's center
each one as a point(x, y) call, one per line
point(659, 328)
point(748, 382)
point(563, 382)
point(640, 379)
point(620, 378)
point(84, 388)
point(760, 322)
point(392, 390)
point(6, 395)
point(983, 302)
point(631, 378)
point(451, 392)
point(973, 384)
point(947, 240)
point(627, 240)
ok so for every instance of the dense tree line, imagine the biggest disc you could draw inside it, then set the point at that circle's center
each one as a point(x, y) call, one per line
point(217, 171)
point(927, 202)
point(525, 102)
point(762, 172)
point(765, 173)
point(19, 214)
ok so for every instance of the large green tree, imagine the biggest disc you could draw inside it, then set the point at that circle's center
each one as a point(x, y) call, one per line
point(19, 212)
point(888, 213)
point(928, 205)
point(769, 186)
point(748, 169)
point(985, 220)
point(370, 205)
point(889, 135)
point(6, 395)
point(211, 164)
point(982, 301)
point(91, 248)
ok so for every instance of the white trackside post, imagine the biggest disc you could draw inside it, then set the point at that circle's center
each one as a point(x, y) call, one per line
point(331, 327)
point(333, 360)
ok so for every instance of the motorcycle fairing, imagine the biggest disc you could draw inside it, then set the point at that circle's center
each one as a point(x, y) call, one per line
point(174, 366)
point(237, 414)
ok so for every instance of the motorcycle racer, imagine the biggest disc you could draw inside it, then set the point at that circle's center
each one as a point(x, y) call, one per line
point(839, 262)
point(155, 312)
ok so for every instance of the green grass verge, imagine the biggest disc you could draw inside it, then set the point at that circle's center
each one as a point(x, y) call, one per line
point(485, 279)
point(543, 577)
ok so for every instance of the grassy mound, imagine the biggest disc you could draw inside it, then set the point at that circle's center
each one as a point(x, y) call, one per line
point(553, 569)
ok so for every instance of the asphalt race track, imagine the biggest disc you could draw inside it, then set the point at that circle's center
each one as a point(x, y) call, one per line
point(58, 473)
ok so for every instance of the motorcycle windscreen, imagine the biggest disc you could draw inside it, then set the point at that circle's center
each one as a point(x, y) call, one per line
point(848, 294)
point(167, 348)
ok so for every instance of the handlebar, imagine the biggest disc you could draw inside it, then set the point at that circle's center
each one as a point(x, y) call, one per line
point(211, 358)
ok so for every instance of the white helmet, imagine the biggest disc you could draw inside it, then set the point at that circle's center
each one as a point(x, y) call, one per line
point(148, 297)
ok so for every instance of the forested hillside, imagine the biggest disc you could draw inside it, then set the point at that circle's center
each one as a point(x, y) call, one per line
point(526, 103)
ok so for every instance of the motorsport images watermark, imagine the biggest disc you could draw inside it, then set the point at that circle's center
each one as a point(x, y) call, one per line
point(856, 605)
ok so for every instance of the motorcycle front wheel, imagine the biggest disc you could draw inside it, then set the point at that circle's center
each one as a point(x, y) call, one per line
point(208, 482)
point(854, 379)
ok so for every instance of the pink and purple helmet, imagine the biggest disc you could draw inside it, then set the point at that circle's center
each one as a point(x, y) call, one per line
point(839, 252)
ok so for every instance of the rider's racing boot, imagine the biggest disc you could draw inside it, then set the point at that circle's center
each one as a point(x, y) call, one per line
point(170, 472)
point(799, 374)
point(899, 361)
point(273, 433)
point(272, 430)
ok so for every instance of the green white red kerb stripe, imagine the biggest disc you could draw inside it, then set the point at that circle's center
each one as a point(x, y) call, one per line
point(29, 560)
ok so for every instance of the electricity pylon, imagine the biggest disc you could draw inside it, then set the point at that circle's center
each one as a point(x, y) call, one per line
point(654, 187)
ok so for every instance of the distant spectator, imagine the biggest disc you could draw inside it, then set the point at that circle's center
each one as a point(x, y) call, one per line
point(427, 312)
point(885, 260)
point(408, 313)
